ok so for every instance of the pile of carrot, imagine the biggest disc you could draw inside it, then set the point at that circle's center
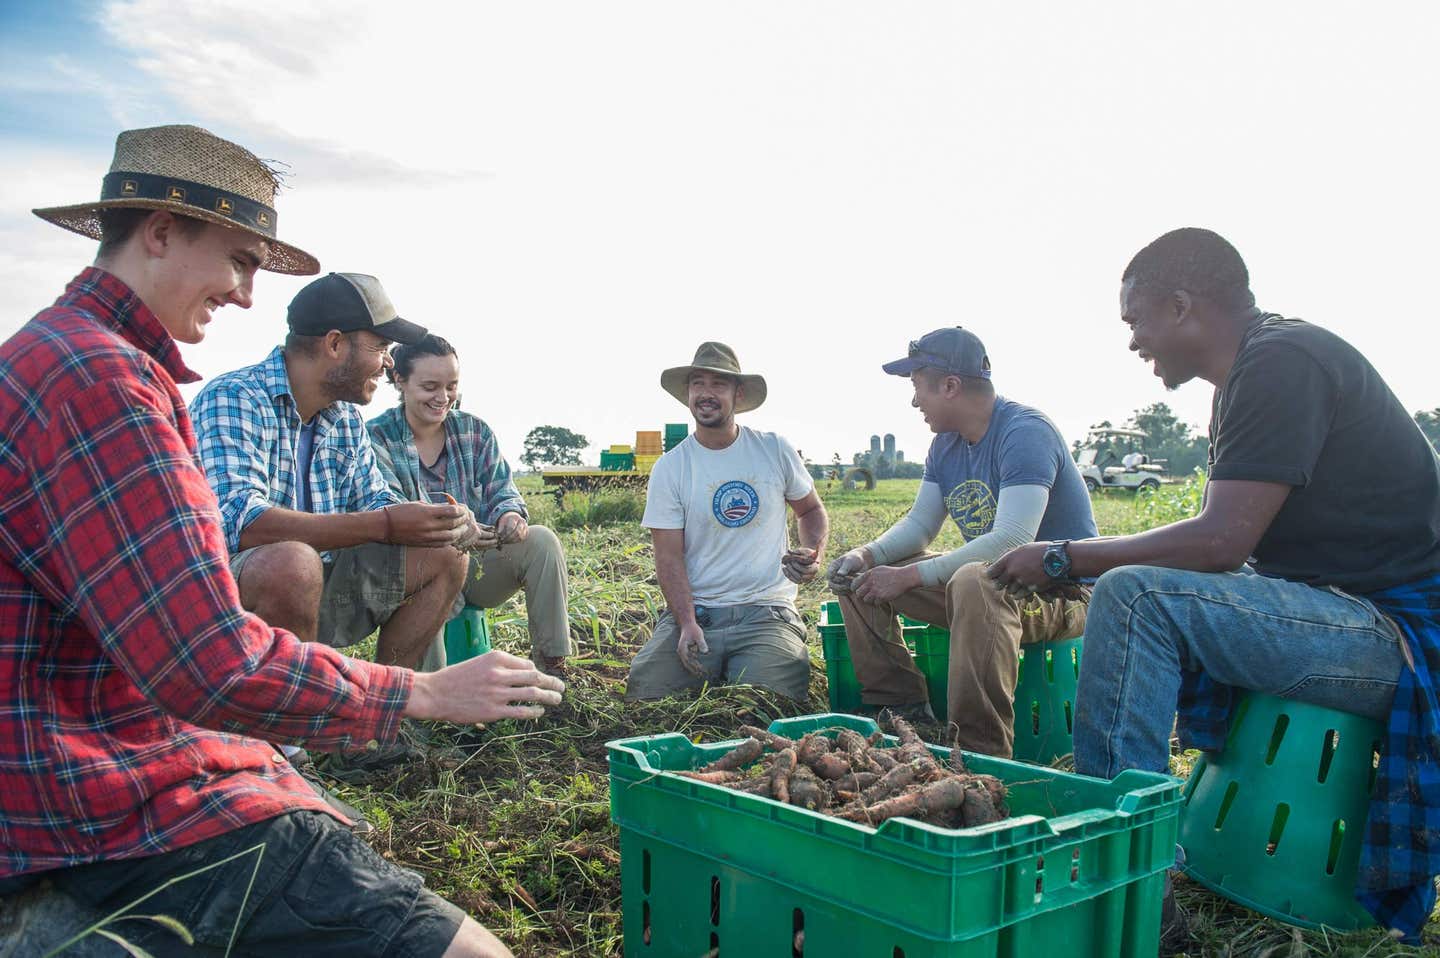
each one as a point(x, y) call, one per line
point(858, 779)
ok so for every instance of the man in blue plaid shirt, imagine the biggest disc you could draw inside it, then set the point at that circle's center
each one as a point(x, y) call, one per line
point(1312, 572)
point(319, 543)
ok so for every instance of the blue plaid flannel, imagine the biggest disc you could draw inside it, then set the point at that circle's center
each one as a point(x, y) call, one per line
point(1400, 857)
point(247, 427)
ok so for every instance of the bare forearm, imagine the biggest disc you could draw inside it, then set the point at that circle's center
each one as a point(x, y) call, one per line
point(813, 528)
point(319, 532)
point(1193, 544)
point(675, 585)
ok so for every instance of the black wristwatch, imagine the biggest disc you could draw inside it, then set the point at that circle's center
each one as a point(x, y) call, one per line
point(1056, 562)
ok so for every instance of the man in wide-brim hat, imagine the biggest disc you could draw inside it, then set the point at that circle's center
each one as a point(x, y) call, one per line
point(715, 509)
point(125, 649)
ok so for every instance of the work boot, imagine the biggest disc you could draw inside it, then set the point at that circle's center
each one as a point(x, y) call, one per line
point(1174, 926)
point(412, 744)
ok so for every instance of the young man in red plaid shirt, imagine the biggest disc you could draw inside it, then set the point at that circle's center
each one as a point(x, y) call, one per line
point(137, 697)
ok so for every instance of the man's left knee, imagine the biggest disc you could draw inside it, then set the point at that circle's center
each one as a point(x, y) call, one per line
point(971, 582)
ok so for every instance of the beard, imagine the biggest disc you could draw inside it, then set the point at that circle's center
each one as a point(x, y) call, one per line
point(710, 416)
point(349, 382)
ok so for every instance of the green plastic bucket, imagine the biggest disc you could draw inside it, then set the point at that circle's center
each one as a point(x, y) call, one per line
point(467, 635)
point(1276, 820)
point(1045, 700)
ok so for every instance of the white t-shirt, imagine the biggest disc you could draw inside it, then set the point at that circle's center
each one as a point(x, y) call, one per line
point(731, 504)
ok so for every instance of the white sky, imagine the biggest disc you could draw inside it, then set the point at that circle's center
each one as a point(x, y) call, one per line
point(577, 193)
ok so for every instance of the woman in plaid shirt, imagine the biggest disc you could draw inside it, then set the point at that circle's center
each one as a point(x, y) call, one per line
point(428, 449)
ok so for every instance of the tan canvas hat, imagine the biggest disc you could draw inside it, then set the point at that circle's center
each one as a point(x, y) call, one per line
point(714, 358)
point(191, 172)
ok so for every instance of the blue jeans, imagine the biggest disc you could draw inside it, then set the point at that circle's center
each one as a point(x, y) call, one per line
point(1146, 624)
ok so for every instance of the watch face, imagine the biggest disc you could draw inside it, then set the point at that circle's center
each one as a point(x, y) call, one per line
point(1055, 562)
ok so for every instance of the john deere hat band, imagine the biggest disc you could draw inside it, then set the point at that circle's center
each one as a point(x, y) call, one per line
point(148, 186)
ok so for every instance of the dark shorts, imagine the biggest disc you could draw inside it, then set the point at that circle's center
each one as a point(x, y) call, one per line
point(318, 891)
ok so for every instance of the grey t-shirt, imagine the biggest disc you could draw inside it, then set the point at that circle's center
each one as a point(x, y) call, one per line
point(1021, 448)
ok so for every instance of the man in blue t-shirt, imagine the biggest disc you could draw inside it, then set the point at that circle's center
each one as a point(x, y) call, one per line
point(1003, 474)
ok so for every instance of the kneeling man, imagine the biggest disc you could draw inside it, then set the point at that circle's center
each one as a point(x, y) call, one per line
point(716, 512)
point(1003, 473)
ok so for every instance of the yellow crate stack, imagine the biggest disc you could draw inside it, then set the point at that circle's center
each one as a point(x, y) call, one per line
point(644, 463)
point(620, 450)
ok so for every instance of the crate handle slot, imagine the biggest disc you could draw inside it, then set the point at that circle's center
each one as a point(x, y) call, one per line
point(1282, 722)
point(1337, 838)
point(715, 900)
point(1277, 827)
point(797, 937)
point(1225, 803)
point(1327, 754)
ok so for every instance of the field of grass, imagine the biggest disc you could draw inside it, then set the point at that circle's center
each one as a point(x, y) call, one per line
point(518, 832)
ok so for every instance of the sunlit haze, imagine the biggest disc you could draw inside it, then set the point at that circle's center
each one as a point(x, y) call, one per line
point(577, 194)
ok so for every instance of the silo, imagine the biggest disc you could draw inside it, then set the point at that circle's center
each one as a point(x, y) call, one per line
point(890, 446)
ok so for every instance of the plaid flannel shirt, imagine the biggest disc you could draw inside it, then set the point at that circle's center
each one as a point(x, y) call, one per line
point(475, 472)
point(247, 426)
point(130, 677)
point(1399, 858)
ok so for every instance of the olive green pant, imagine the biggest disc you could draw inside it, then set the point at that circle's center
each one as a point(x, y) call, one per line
point(760, 645)
point(536, 565)
point(987, 628)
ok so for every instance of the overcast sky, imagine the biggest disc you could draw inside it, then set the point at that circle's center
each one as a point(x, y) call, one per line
point(576, 194)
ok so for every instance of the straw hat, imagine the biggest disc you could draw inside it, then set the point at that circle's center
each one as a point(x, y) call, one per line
point(714, 358)
point(194, 173)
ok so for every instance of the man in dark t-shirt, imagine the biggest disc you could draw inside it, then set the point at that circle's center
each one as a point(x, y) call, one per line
point(1321, 488)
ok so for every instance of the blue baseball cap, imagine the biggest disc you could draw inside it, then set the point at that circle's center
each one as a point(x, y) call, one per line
point(952, 349)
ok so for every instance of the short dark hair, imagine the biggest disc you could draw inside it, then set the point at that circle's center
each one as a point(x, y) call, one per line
point(404, 357)
point(1199, 261)
point(978, 385)
point(298, 344)
point(118, 224)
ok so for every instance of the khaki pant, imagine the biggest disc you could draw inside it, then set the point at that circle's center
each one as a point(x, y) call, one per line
point(987, 628)
point(536, 565)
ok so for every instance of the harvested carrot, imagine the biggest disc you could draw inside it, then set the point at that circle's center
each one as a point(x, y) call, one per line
point(842, 773)
point(738, 757)
point(717, 777)
point(769, 739)
point(948, 793)
point(831, 765)
point(780, 772)
point(807, 791)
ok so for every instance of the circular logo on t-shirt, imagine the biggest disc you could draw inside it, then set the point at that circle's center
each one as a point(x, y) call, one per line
point(735, 503)
point(972, 506)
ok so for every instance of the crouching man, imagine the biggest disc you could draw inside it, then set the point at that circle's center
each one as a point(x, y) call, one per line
point(716, 513)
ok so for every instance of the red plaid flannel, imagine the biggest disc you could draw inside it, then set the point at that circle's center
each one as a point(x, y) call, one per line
point(130, 678)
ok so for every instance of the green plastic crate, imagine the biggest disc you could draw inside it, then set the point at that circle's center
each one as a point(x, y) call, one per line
point(617, 461)
point(1078, 870)
point(929, 645)
point(467, 635)
point(677, 430)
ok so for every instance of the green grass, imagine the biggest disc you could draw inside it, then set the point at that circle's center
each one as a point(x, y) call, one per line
point(518, 833)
